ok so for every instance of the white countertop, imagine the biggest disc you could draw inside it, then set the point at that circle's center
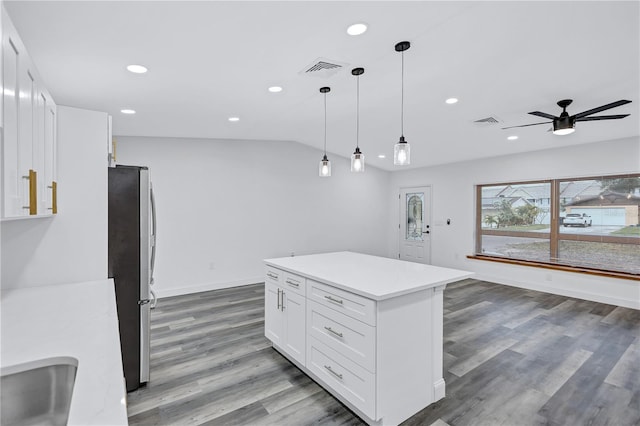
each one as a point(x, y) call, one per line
point(70, 320)
point(377, 278)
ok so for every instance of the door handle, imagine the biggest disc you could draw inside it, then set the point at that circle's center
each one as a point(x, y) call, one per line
point(425, 232)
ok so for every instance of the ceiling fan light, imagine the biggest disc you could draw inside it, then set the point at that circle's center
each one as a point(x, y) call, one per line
point(401, 153)
point(563, 126)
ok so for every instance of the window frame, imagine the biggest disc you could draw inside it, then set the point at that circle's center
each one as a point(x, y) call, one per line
point(554, 236)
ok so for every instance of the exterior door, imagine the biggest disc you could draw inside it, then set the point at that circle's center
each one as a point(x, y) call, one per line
point(415, 224)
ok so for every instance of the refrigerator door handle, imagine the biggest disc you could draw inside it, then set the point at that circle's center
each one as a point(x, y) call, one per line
point(154, 299)
point(153, 233)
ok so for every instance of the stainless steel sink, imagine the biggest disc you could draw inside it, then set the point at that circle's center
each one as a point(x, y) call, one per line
point(37, 392)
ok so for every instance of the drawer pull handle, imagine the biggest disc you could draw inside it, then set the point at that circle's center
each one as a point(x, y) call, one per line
point(272, 276)
point(333, 300)
point(339, 376)
point(295, 283)
point(331, 330)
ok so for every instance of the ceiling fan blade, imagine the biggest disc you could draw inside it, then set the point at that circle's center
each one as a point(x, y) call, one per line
point(602, 117)
point(602, 108)
point(543, 115)
point(527, 125)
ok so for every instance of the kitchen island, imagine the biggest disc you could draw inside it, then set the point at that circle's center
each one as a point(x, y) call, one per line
point(366, 328)
point(70, 321)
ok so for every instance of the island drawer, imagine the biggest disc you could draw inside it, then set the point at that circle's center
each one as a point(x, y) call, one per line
point(348, 303)
point(274, 275)
point(347, 336)
point(295, 282)
point(345, 377)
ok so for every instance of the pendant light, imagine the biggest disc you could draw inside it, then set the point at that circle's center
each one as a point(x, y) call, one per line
point(324, 169)
point(402, 150)
point(357, 158)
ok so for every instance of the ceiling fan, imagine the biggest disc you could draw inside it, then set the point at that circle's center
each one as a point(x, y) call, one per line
point(565, 123)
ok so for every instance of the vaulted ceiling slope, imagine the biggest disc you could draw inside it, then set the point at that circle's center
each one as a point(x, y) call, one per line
point(209, 60)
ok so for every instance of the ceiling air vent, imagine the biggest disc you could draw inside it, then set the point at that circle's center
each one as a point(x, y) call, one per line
point(488, 121)
point(322, 67)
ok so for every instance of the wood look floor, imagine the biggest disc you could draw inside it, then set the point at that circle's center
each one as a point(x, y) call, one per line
point(512, 357)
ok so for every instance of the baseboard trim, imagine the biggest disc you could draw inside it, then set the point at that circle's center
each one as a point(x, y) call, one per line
point(439, 390)
point(198, 288)
point(594, 297)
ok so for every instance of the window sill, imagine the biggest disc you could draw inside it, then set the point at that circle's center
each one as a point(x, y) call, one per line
point(558, 267)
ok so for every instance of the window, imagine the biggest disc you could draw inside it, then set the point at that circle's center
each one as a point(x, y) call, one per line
point(587, 222)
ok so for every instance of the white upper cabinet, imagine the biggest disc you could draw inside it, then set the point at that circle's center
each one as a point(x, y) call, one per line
point(29, 140)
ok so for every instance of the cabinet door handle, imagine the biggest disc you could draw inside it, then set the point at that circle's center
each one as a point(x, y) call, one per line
point(282, 304)
point(54, 197)
point(292, 282)
point(272, 276)
point(331, 299)
point(331, 330)
point(328, 367)
point(278, 299)
point(33, 192)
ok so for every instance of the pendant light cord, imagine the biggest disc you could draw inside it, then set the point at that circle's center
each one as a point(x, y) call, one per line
point(358, 111)
point(325, 124)
point(402, 98)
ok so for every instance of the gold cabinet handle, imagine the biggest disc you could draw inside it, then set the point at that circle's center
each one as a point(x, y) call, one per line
point(54, 197)
point(33, 192)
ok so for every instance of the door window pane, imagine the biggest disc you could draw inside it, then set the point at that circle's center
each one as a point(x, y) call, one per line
point(415, 215)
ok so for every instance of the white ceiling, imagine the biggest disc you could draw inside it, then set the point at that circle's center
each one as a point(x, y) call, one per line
point(211, 60)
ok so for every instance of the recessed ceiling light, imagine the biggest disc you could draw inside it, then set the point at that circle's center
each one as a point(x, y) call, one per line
point(275, 89)
point(357, 29)
point(512, 138)
point(234, 119)
point(127, 111)
point(452, 101)
point(137, 69)
point(382, 156)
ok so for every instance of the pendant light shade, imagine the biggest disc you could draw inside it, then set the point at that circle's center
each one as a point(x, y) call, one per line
point(402, 150)
point(357, 161)
point(357, 158)
point(324, 168)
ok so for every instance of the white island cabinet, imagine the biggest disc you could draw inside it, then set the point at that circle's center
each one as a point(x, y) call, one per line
point(371, 333)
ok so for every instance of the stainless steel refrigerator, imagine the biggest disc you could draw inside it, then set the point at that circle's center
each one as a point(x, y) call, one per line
point(131, 263)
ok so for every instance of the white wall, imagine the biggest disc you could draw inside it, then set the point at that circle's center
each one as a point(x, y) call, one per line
point(453, 197)
point(223, 206)
point(72, 246)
